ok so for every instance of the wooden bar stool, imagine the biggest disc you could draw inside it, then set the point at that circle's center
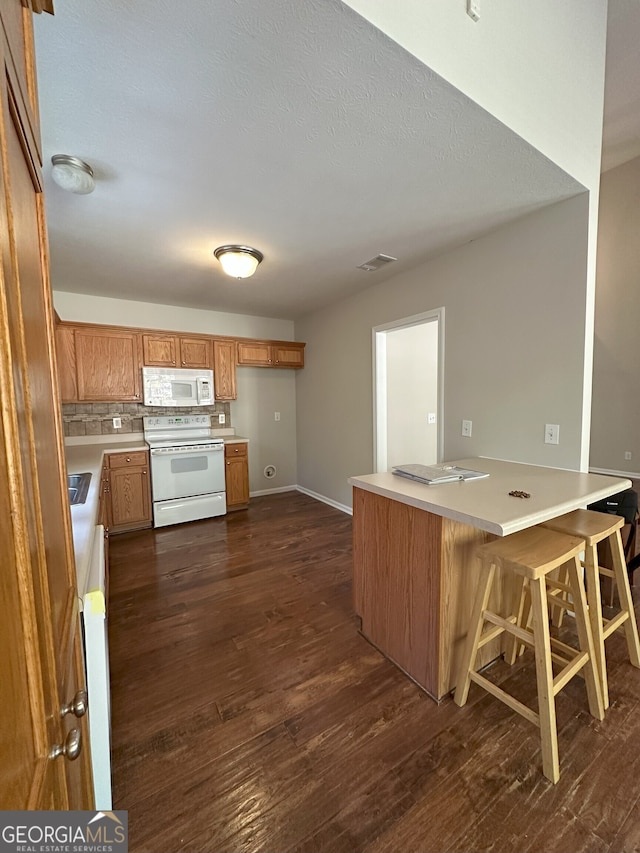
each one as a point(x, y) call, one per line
point(596, 527)
point(530, 556)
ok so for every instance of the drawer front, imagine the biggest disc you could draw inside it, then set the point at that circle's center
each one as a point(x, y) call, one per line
point(232, 450)
point(123, 460)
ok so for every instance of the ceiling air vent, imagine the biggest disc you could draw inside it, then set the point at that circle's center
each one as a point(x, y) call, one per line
point(375, 263)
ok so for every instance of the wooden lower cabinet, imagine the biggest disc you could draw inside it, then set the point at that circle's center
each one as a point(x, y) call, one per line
point(129, 490)
point(236, 459)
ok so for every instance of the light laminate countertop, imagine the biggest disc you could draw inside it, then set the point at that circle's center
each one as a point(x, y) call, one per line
point(486, 504)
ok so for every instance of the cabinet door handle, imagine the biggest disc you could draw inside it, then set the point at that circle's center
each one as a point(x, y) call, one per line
point(71, 748)
point(77, 706)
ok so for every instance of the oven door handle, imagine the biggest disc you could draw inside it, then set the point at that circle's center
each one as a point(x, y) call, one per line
point(174, 451)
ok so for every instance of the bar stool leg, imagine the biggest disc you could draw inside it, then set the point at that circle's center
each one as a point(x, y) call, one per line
point(476, 623)
point(594, 601)
point(591, 675)
point(544, 677)
point(513, 645)
point(626, 601)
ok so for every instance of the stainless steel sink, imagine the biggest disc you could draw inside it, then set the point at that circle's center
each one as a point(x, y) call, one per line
point(77, 487)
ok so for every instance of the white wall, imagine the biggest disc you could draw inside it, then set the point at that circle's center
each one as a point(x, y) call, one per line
point(515, 318)
point(261, 391)
point(616, 403)
point(412, 392)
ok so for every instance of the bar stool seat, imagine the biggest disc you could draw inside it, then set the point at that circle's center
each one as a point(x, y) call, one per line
point(531, 555)
point(595, 527)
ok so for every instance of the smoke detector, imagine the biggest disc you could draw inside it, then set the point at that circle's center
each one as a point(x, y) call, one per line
point(375, 263)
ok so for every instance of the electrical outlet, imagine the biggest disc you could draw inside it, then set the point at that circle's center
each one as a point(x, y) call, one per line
point(117, 423)
point(221, 418)
point(466, 428)
point(276, 416)
point(627, 455)
point(552, 433)
point(431, 418)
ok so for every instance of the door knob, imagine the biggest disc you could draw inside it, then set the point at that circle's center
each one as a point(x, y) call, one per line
point(71, 747)
point(77, 706)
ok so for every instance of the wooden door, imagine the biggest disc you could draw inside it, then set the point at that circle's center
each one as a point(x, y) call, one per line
point(130, 489)
point(66, 357)
point(224, 369)
point(195, 353)
point(108, 365)
point(236, 475)
point(257, 353)
point(40, 665)
point(159, 350)
point(288, 355)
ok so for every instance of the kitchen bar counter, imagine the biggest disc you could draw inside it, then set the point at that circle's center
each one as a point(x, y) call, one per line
point(414, 571)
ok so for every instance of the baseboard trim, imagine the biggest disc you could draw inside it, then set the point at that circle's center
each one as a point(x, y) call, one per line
point(325, 500)
point(272, 491)
point(628, 474)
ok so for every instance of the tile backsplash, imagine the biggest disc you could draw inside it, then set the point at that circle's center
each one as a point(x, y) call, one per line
point(97, 418)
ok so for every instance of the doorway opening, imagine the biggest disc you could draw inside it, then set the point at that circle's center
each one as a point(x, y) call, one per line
point(408, 391)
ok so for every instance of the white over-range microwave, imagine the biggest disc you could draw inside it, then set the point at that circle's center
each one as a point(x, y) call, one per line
point(170, 386)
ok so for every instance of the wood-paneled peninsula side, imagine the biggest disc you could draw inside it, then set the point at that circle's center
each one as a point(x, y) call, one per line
point(414, 572)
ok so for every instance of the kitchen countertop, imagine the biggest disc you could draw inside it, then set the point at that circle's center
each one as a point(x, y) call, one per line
point(85, 453)
point(486, 503)
point(84, 517)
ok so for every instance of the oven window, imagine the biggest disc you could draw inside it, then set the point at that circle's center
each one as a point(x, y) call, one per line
point(186, 464)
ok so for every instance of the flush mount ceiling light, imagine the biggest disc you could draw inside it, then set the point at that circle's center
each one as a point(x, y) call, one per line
point(72, 174)
point(238, 261)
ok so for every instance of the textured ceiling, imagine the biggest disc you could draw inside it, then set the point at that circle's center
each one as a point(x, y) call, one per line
point(297, 128)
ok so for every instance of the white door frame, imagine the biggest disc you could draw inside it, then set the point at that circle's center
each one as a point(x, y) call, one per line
point(379, 343)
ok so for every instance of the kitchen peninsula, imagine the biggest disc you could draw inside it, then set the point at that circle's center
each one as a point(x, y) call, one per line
point(414, 572)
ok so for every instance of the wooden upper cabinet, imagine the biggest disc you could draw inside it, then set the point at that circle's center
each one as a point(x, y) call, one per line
point(66, 359)
point(159, 350)
point(175, 351)
point(196, 352)
point(271, 353)
point(224, 369)
point(288, 355)
point(108, 365)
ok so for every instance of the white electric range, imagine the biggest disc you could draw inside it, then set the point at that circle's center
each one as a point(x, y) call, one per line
point(187, 469)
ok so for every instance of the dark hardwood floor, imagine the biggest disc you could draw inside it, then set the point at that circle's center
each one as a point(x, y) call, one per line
point(250, 715)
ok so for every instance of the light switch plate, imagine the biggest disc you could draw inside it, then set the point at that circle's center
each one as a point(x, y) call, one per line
point(552, 433)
